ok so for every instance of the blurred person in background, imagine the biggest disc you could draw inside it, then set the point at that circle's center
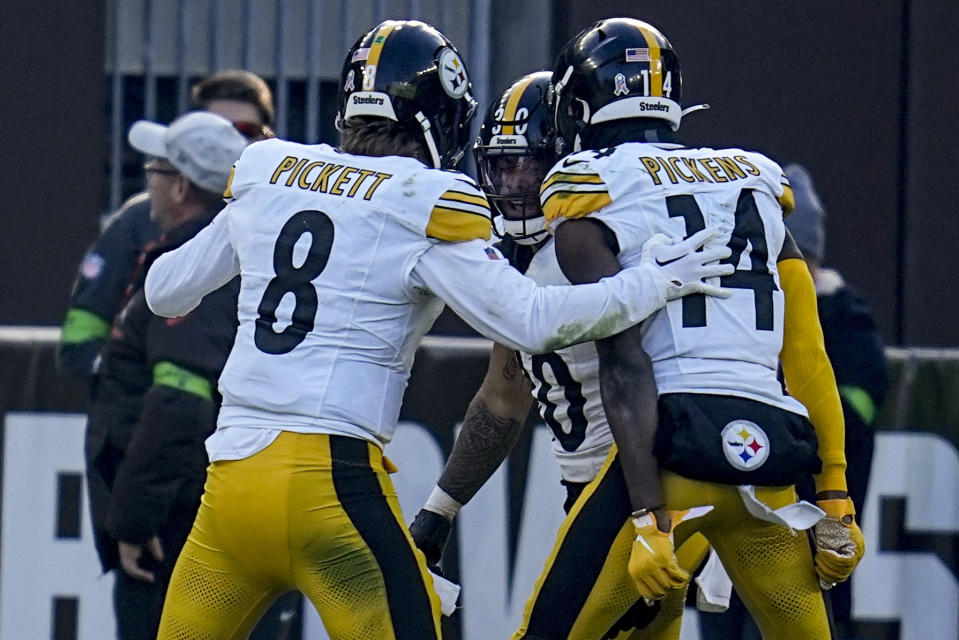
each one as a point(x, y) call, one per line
point(855, 350)
point(154, 403)
point(103, 280)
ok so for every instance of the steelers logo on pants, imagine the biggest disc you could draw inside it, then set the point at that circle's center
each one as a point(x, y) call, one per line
point(745, 445)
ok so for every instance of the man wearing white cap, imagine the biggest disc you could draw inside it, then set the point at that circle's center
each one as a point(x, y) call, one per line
point(154, 402)
point(194, 156)
point(100, 289)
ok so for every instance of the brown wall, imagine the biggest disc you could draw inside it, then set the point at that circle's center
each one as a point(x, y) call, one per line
point(832, 85)
point(51, 158)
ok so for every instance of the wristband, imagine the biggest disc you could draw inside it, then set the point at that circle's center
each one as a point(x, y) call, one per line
point(639, 513)
point(645, 517)
point(442, 503)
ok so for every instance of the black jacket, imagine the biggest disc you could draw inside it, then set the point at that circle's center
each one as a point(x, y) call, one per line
point(853, 343)
point(145, 454)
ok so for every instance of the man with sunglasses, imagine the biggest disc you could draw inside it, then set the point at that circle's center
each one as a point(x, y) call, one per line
point(110, 265)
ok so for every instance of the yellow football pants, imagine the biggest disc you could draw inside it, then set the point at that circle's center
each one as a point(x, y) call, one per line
point(310, 512)
point(585, 587)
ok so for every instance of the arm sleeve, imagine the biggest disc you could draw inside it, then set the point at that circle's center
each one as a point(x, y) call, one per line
point(493, 423)
point(511, 309)
point(808, 372)
point(178, 280)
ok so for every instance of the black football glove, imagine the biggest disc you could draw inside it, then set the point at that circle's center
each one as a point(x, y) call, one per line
point(430, 531)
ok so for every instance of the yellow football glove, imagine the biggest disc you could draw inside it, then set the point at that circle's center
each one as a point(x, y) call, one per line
point(839, 543)
point(652, 562)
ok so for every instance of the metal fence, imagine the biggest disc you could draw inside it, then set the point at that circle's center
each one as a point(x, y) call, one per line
point(156, 49)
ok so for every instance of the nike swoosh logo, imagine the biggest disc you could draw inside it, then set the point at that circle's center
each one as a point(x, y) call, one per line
point(569, 163)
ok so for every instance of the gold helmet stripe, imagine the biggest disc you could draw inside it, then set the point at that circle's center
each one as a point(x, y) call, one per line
point(376, 48)
point(509, 113)
point(655, 62)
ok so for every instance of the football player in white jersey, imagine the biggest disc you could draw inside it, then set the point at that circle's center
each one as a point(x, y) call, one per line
point(346, 257)
point(723, 448)
point(514, 151)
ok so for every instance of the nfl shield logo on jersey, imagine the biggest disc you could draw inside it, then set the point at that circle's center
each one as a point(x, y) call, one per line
point(92, 266)
point(745, 445)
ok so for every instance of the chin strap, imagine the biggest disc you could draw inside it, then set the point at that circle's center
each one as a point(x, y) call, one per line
point(428, 136)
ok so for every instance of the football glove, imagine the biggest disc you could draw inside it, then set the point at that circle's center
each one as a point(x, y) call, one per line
point(686, 264)
point(839, 543)
point(652, 562)
point(430, 531)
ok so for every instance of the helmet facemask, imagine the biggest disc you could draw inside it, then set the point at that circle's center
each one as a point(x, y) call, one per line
point(512, 182)
point(514, 152)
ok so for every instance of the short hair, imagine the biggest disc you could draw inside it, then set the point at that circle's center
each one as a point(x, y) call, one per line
point(370, 136)
point(234, 84)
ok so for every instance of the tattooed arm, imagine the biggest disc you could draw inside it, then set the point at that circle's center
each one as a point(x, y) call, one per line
point(491, 427)
point(493, 422)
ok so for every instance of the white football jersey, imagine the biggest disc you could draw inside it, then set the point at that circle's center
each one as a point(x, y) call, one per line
point(566, 388)
point(345, 262)
point(698, 344)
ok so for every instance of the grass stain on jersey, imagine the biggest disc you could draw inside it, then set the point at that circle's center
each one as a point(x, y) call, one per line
point(576, 332)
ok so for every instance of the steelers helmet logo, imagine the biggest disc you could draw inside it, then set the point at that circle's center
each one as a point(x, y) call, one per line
point(452, 74)
point(745, 445)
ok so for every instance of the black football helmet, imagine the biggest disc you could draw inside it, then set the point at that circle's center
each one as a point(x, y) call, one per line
point(617, 69)
point(514, 151)
point(407, 71)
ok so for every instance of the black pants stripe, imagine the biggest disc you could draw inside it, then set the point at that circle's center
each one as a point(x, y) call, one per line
point(580, 558)
point(355, 482)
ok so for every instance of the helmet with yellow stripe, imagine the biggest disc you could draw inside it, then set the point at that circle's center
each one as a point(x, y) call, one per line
point(618, 69)
point(514, 151)
point(409, 72)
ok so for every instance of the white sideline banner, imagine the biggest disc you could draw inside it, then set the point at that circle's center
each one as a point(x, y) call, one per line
point(917, 589)
point(914, 587)
point(35, 566)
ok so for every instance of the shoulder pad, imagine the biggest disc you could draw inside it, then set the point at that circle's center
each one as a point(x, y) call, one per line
point(255, 159)
point(773, 175)
point(573, 189)
point(787, 200)
point(461, 213)
point(134, 211)
point(228, 192)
